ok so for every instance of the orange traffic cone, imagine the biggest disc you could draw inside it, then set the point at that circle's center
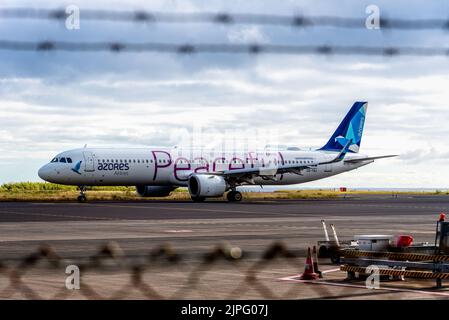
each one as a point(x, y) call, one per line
point(309, 273)
point(315, 262)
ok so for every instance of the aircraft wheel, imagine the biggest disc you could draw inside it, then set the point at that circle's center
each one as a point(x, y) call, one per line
point(82, 199)
point(234, 196)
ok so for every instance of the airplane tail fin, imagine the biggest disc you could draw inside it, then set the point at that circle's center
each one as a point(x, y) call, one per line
point(350, 130)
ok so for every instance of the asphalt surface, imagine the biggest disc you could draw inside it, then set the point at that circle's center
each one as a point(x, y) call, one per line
point(77, 231)
point(151, 210)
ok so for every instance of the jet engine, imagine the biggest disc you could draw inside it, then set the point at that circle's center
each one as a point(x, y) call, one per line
point(154, 191)
point(206, 185)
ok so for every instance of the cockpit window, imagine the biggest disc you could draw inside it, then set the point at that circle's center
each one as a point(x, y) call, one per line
point(62, 160)
point(69, 160)
point(54, 160)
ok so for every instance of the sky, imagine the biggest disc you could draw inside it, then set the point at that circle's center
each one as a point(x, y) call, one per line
point(54, 101)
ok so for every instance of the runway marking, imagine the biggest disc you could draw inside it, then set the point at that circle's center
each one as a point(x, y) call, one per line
point(56, 215)
point(278, 212)
point(180, 209)
point(397, 206)
point(359, 286)
point(331, 270)
point(268, 214)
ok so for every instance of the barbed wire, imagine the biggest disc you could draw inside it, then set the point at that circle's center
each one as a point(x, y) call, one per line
point(302, 21)
point(144, 276)
point(119, 47)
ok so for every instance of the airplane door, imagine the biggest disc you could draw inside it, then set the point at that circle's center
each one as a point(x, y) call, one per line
point(88, 161)
point(328, 167)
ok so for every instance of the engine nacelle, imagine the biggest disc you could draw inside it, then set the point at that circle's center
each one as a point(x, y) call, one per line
point(154, 191)
point(206, 185)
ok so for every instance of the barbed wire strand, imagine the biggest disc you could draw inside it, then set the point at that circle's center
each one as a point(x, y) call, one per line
point(119, 47)
point(142, 16)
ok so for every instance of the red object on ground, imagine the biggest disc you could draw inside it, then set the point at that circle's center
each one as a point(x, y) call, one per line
point(343, 189)
point(404, 241)
point(309, 273)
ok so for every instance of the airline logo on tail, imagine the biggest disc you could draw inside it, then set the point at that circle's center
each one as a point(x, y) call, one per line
point(349, 132)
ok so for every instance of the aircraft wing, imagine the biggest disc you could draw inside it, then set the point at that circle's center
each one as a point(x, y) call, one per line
point(369, 158)
point(265, 171)
point(341, 155)
point(279, 169)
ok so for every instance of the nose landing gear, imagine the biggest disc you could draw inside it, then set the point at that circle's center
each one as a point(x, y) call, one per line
point(234, 196)
point(82, 197)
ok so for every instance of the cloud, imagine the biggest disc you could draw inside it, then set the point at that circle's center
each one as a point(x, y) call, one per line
point(424, 156)
point(55, 101)
point(245, 35)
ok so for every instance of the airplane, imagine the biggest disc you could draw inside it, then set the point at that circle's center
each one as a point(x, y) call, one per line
point(157, 171)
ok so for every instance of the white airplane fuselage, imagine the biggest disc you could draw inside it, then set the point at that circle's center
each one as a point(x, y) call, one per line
point(170, 167)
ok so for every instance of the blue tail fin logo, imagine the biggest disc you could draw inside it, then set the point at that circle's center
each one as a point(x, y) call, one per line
point(349, 133)
point(77, 167)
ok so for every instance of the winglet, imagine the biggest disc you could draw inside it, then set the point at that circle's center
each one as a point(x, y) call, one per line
point(341, 155)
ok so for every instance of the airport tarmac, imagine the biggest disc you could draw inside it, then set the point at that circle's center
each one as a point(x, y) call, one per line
point(76, 231)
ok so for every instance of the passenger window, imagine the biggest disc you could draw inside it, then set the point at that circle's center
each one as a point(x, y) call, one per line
point(62, 160)
point(69, 160)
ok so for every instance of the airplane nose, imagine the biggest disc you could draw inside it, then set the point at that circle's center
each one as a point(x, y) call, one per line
point(44, 173)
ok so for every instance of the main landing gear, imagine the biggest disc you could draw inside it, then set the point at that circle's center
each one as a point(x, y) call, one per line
point(234, 196)
point(82, 197)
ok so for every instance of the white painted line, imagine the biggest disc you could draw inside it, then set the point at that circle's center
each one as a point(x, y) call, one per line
point(358, 286)
point(331, 270)
point(56, 215)
point(171, 208)
point(195, 209)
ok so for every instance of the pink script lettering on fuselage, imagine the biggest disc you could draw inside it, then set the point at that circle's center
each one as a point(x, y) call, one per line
point(163, 159)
